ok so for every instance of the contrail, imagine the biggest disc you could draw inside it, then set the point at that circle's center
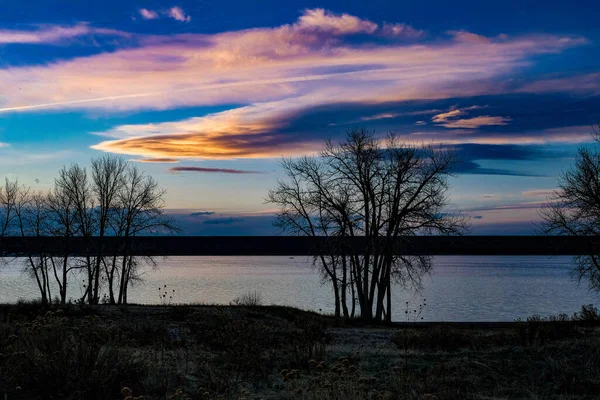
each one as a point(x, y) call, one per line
point(195, 88)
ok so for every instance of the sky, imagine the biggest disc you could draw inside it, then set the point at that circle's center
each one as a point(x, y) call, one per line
point(208, 96)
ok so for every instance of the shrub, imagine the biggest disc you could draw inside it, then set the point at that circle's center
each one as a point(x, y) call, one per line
point(249, 299)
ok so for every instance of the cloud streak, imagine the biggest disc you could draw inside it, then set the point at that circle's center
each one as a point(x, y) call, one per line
point(477, 122)
point(156, 160)
point(213, 170)
point(538, 193)
point(452, 119)
point(55, 34)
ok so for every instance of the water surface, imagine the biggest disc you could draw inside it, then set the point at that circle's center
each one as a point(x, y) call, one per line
point(459, 288)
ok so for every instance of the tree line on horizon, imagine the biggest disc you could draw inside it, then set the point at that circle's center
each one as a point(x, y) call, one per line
point(112, 198)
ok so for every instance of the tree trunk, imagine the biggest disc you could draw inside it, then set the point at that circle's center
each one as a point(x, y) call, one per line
point(63, 294)
point(97, 280)
point(36, 274)
point(388, 315)
point(344, 288)
point(123, 282)
point(336, 292)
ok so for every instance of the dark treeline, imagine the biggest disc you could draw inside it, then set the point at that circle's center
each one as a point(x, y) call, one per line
point(111, 198)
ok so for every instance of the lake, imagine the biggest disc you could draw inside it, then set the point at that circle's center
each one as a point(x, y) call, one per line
point(459, 288)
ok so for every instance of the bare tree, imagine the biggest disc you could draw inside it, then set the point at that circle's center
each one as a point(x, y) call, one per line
point(139, 211)
point(73, 181)
point(574, 208)
point(31, 215)
point(365, 187)
point(108, 179)
point(62, 222)
point(9, 194)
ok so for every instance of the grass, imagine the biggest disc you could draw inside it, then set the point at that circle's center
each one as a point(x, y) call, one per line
point(269, 352)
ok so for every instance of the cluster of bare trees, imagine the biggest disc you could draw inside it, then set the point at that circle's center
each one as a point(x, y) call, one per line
point(112, 198)
point(379, 190)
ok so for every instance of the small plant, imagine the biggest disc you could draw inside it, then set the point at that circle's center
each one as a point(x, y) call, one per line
point(165, 297)
point(415, 314)
point(248, 299)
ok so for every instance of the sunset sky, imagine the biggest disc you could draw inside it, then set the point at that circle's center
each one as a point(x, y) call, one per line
point(209, 95)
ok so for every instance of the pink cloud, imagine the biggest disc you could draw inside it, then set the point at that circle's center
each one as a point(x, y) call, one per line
point(401, 31)
point(178, 14)
point(338, 24)
point(277, 71)
point(148, 14)
point(469, 37)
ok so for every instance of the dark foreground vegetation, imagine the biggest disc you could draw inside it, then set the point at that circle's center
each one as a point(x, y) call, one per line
point(245, 352)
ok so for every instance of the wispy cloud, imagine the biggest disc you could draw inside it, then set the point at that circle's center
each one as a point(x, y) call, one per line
point(476, 122)
point(294, 60)
point(380, 116)
point(55, 34)
point(470, 37)
point(223, 221)
point(213, 170)
point(538, 193)
point(505, 207)
point(202, 213)
point(589, 83)
point(305, 65)
point(451, 119)
point(402, 31)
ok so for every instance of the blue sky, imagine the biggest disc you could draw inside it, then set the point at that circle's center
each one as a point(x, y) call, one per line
point(209, 95)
